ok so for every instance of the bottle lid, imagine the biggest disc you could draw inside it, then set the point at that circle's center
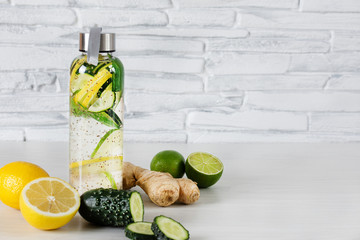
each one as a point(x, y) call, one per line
point(107, 42)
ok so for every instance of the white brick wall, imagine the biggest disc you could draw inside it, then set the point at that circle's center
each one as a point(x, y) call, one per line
point(196, 70)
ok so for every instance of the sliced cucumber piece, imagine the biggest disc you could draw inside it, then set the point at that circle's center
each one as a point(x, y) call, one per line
point(139, 231)
point(117, 99)
point(108, 117)
point(79, 81)
point(136, 207)
point(114, 117)
point(99, 66)
point(88, 94)
point(168, 229)
point(104, 102)
point(118, 75)
point(109, 145)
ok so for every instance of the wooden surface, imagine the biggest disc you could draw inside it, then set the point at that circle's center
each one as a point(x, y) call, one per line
point(267, 192)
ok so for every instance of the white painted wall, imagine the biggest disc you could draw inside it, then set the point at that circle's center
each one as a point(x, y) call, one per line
point(196, 70)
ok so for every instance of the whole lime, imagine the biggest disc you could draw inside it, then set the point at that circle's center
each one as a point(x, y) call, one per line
point(169, 161)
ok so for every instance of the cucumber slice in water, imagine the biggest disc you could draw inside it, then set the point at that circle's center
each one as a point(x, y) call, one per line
point(108, 117)
point(79, 81)
point(104, 102)
point(139, 230)
point(109, 145)
point(168, 229)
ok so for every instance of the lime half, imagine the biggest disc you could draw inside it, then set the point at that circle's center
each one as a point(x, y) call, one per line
point(203, 168)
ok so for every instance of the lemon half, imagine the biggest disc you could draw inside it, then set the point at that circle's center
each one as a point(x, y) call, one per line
point(49, 203)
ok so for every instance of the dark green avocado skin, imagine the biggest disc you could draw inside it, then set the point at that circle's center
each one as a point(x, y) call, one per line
point(106, 207)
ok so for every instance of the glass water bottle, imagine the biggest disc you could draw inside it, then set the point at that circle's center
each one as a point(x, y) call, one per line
point(96, 115)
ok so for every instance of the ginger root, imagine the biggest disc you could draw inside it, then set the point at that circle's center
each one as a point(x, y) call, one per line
point(162, 188)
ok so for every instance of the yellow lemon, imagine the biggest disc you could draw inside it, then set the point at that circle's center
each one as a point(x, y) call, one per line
point(49, 203)
point(13, 177)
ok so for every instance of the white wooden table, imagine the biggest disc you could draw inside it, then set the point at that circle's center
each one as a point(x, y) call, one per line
point(267, 192)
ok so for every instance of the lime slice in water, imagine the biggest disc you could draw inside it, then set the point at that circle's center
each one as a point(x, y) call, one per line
point(203, 168)
point(110, 144)
point(79, 81)
point(104, 102)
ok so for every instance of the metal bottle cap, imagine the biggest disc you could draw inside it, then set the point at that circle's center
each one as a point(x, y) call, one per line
point(107, 42)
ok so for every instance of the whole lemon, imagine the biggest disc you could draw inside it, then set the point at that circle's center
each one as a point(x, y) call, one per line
point(13, 177)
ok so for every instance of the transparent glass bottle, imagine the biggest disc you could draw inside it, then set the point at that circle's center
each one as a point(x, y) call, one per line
point(96, 117)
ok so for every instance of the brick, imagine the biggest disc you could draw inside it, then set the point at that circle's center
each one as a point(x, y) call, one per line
point(40, 80)
point(265, 82)
point(333, 62)
point(162, 64)
point(268, 137)
point(121, 18)
point(280, 121)
point(62, 81)
point(41, 2)
point(138, 4)
point(161, 137)
point(239, 3)
point(9, 81)
point(51, 16)
point(143, 102)
point(156, 122)
point(38, 34)
point(29, 57)
point(50, 134)
point(158, 45)
point(11, 135)
point(320, 35)
point(185, 32)
point(344, 82)
point(170, 83)
point(32, 119)
point(335, 122)
point(34, 103)
point(236, 63)
point(54, 81)
point(304, 101)
point(268, 45)
point(299, 20)
point(202, 18)
point(330, 6)
point(346, 41)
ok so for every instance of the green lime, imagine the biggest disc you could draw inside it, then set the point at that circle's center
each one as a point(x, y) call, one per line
point(203, 168)
point(169, 161)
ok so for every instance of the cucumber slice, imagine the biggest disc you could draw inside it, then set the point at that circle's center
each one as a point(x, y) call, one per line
point(139, 231)
point(108, 117)
point(136, 207)
point(101, 66)
point(117, 99)
point(79, 81)
point(118, 75)
point(104, 102)
point(168, 229)
point(88, 94)
point(109, 144)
